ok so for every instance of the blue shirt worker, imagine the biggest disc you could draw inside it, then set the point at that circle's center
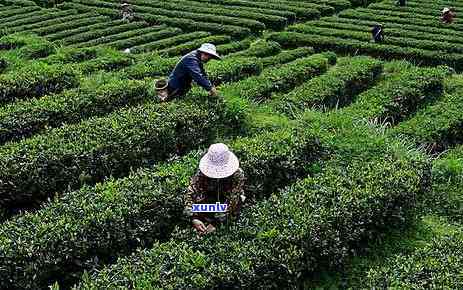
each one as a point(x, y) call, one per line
point(190, 68)
point(377, 33)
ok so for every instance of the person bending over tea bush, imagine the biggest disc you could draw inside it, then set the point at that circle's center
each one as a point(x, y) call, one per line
point(126, 11)
point(448, 14)
point(218, 182)
point(189, 68)
point(377, 33)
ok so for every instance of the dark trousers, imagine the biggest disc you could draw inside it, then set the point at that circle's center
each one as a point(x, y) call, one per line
point(378, 38)
point(175, 93)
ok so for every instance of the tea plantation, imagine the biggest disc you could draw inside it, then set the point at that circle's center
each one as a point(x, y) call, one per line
point(352, 149)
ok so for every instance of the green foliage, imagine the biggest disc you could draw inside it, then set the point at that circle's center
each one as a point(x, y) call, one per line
point(35, 20)
point(108, 60)
point(336, 87)
point(79, 39)
point(365, 36)
point(271, 21)
point(235, 46)
point(22, 119)
point(183, 20)
point(438, 126)
point(233, 69)
point(35, 80)
point(282, 78)
point(37, 50)
point(168, 42)
point(365, 3)
point(194, 44)
point(316, 222)
point(287, 56)
point(129, 42)
point(350, 179)
point(85, 153)
point(116, 216)
point(436, 265)
point(25, 118)
point(450, 166)
point(16, 10)
point(384, 51)
point(48, 3)
point(13, 41)
point(74, 55)
point(150, 65)
point(260, 48)
point(446, 197)
point(122, 38)
point(399, 17)
point(239, 96)
point(398, 97)
point(253, 25)
point(301, 10)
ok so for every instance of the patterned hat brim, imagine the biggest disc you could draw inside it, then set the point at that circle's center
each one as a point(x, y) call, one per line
point(223, 171)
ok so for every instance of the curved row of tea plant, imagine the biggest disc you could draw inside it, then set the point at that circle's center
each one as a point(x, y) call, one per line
point(435, 264)
point(35, 80)
point(387, 52)
point(337, 87)
point(169, 42)
point(242, 97)
point(271, 21)
point(253, 25)
point(117, 216)
point(318, 222)
point(87, 152)
point(186, 47)
point(183, 23)
point(69, 157)
point(406, 41)
point(131, 37)
point(397, 98)
point(108, 29)
point(413, 32)
point(22, 119)
point(438, 126)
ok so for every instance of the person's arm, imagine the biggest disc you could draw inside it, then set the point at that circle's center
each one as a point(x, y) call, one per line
point(240, 180)
point(192, 195)
point(188, 198)
point(192, 65)
point(188, 202)
point(237, 194)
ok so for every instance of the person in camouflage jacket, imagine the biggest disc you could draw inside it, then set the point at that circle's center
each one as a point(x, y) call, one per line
point(219, 179)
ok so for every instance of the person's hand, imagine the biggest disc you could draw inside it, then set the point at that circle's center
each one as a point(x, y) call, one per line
point(187, 211)
point(210, 228)
point(163, 96)
point(199, 226)
point(213, 92)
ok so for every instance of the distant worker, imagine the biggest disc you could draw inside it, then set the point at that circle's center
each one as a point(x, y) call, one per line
point(448, 14)
point(219, 180)
point(377, 33)
point(401, 2)
point(127, 12)
point(189, 68)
